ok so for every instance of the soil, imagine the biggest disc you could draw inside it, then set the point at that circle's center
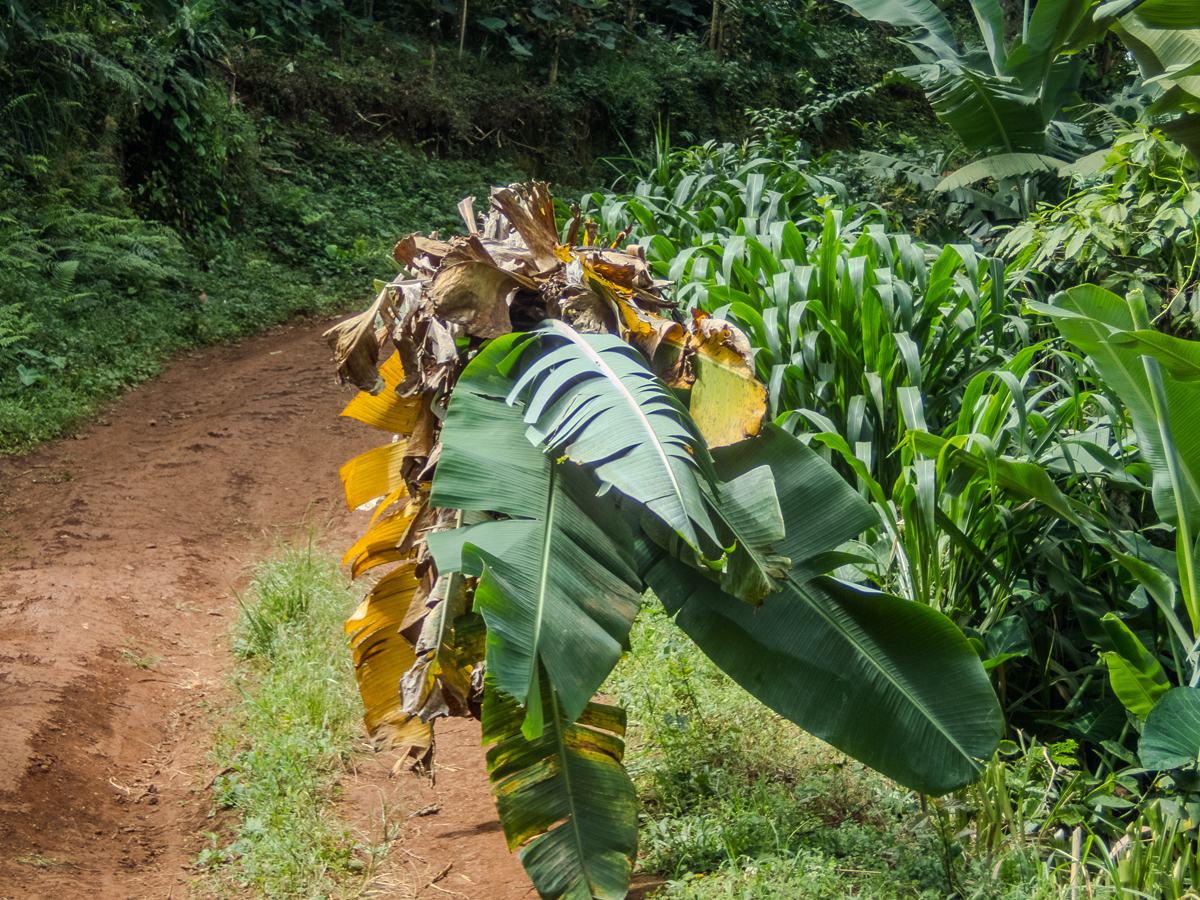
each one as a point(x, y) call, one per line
point(120, 550)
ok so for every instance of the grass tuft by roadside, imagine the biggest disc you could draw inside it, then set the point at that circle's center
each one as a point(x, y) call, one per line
point(283, 745)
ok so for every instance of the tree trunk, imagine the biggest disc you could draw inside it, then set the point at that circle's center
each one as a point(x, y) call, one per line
point(554, 64)
point(462, 28)
point(1014, 16)
point(716, 24)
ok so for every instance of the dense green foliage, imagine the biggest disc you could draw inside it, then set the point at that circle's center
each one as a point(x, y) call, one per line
point(177, 173)
point(266, 155)
point(1022, 486)
point(1133, 223)
point(95, 295)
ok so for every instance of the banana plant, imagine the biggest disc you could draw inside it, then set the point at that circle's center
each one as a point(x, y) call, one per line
point(1008, 99)
point(1002, 99)
point(548, 474)
point(1164, 38)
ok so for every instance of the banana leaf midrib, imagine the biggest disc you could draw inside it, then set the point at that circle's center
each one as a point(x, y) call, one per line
point(534, 695)
point(560, 748)
point(613, 379)
point(874, 662)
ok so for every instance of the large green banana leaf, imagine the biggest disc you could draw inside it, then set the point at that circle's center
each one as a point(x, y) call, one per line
point(593, 400)
point(1165, 40)
point(1095, 321)
point(891, 682)
point(1171, 738)
point(933, 31)
point(563, 797)
point(558, 583)
point(1002, 165)
point(986, 111)
point(1004, 100)
point(1155, 13)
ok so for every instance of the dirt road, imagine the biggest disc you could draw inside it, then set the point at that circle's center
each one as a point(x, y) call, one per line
point(127, 544)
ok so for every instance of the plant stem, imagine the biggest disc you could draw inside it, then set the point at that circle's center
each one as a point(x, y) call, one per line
point(1185, 549)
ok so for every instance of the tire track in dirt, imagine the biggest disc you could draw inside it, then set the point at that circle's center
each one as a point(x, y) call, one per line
point(127, 544)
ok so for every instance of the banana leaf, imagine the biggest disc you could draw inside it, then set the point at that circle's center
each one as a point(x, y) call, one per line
point(1137, 678)
point(933, 31)
point(593, 400)
point(563, 797)
point(1002, 165)
point(1171, 738)
point(891, 682)
point(986, 111)
point(558, 587)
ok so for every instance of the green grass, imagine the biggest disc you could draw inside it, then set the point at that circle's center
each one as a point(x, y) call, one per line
point(736, 802)
point(284, 743)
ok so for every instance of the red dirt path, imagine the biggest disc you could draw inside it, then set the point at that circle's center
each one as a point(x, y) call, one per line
point(132, 539)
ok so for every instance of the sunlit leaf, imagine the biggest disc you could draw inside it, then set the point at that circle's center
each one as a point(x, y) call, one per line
point(385, 410)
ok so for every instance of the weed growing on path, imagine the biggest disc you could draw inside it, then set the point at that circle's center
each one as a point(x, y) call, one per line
point(282, 747)
point(145, 661)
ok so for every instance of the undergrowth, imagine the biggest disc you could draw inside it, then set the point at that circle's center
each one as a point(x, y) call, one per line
point(93, 297)
point(284, 744)
point(736, 802)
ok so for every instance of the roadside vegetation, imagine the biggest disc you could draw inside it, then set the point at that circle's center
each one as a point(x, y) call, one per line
point(178, 173)
point(287, 738)
point(871, 341)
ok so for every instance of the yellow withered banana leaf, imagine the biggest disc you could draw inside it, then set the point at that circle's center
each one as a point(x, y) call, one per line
point(393, 536)
point(727, 404)
point(385, 504)
point(388, 549)
point(373, 474)
point(392, 604)
point(355, 346)
point(382, 655)
point(713, 358)
point(391, 729)
point(385, 410)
